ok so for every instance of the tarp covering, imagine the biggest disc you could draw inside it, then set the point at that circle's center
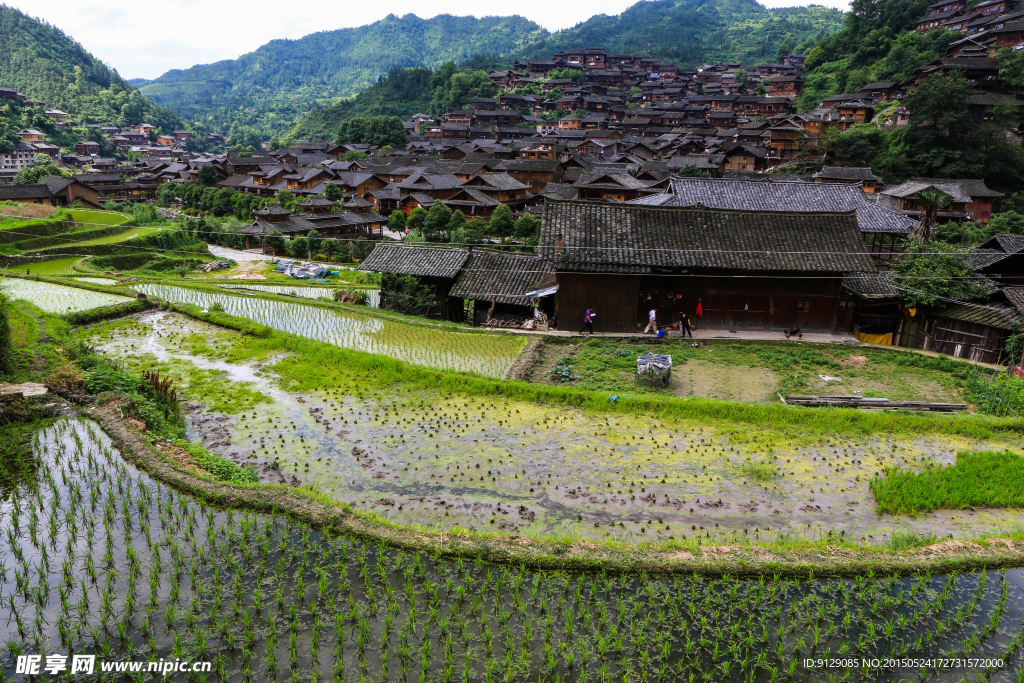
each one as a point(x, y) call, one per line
point(653, 364)
point(869, 338)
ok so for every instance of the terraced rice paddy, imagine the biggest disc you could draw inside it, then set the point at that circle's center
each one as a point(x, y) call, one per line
point(129, 233)
point(486, 354)
point(61, 266)
point(97, 280)
point(303, 292)
point(442, 461)
point(57, 298)
point(100, 559)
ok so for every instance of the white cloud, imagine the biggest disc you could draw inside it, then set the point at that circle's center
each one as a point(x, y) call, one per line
point(143, 40)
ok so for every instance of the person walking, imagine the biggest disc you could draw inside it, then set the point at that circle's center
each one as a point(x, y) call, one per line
point(684, 325)
point(652, 321)
point(588, 321)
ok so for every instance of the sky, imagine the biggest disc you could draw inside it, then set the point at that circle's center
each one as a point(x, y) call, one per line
point(145, 39)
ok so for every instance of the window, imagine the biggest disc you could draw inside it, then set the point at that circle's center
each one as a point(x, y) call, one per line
point(803, 306)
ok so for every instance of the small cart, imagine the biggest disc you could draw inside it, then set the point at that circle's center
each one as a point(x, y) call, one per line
point(654, 366)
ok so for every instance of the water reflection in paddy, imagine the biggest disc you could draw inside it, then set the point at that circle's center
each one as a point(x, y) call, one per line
point(487, 354)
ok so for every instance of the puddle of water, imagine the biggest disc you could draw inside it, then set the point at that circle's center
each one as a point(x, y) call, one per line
point(100, 559)
point(420, 458)
point(57, 298)
point(490, 355)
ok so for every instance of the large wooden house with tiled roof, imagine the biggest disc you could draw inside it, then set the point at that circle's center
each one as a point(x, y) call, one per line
point(751, 270)
point(496, 283)
point(435, 266)
point(883, 229)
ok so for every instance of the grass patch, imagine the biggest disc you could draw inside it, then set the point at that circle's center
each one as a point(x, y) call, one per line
point(905, 540)
point(759, 471)
point(977, 479)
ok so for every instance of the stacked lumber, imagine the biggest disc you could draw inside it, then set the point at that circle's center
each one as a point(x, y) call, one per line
point(864, 403)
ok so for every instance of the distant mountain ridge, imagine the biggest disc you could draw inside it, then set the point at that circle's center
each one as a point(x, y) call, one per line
point(286, 76)
point(284, 80)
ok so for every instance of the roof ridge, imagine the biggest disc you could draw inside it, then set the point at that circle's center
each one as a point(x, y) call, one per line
point(697, 206)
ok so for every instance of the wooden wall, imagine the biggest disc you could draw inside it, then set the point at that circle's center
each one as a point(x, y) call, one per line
point(613, 296)
point(741, 303)
point(963, 339)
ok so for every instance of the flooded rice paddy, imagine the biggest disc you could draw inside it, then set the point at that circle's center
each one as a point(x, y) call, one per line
point(100, 559)
point(442, 461)
point(58, 298)
point(306, 292)
point(487, 354)
point(97, 280)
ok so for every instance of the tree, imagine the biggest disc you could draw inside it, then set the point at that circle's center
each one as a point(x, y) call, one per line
point(404, 294)
point(274, 144)
point(932, 200)
point(313, 242)
point(333, 192)
point(942, 137)
point(379, 131)
point(436, 222)
point(1006, 223)
point(527, 226)
point(742, 77)
point(417, 218)
point(458, 220)
point(691, 171)
point(355, 155)
point(274, 242)
point(785, 47)
point(31, 175)
point(930, 274)
point(299, 247)
point(285, 198)
point(502, 222)
point(396, 221)
point(207, 175)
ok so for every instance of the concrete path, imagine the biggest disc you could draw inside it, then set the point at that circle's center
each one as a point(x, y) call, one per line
point(237, 254)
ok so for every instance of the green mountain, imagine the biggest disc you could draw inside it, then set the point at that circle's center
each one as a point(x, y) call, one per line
point(693, 32)
point(283, 81)
point(43, 62)
point(286, 79)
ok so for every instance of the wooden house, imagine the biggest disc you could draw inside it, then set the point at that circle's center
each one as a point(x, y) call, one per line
point(976, 331)
point(436, 267)
point(745, 269)
point(971, 199)
point(883, 230)
point(493, 284)
point(853, 175)
point(1000, 258)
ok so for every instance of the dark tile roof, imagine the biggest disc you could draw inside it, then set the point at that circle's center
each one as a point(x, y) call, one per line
point(507, 276)
point(992, 314)
point(629, 238)
point(870, 286)
point(420, 260)
point(847, 173)
point(767, 195)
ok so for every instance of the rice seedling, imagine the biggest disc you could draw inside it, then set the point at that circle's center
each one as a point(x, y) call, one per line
point(57, 298)
point(440, 620)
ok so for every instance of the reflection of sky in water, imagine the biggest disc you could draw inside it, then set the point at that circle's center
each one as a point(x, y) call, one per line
point(57, 298)
point(667, 626)
point(306, 292)
point(486, 354)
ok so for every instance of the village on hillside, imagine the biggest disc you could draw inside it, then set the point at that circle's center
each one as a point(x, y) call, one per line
point(527, 185)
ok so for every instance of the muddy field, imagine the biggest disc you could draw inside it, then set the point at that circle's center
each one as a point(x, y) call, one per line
point(444, 461)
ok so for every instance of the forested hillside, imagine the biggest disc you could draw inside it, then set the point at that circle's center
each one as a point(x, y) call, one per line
point(285, 80)
point(692, 32)
point(44, 63)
